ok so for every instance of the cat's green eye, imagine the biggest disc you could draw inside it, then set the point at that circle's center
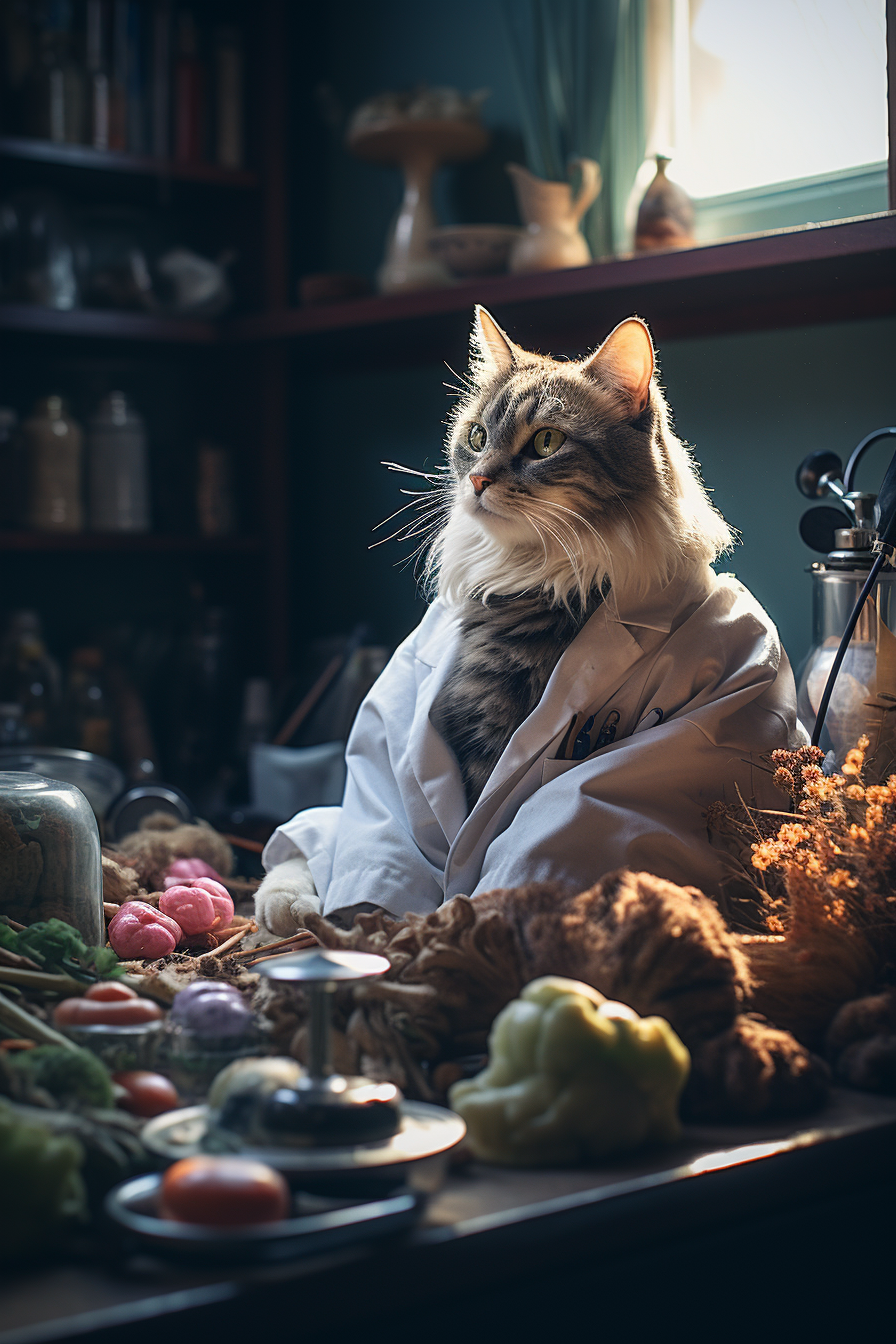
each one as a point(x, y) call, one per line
point(477, 437)
point(547, 441)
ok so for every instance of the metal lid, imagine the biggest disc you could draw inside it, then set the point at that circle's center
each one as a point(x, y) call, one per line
point(320, 965)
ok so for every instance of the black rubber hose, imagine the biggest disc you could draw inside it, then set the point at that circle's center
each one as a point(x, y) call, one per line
point(859, 451)
point(844, 645)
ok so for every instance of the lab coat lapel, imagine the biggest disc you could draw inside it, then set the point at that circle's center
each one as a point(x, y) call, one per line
point(594, 665)
point(432, 761)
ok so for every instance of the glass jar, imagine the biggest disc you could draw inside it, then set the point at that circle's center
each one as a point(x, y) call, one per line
point(50, 865)
point(53, 449)
point(864, 696)
point(118, 485)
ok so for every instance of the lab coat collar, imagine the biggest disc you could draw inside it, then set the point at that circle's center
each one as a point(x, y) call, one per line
point(661, 608)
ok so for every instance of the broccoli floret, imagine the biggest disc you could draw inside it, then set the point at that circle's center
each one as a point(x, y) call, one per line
point(56, 946)
point(51, 942)
point(71, 1077)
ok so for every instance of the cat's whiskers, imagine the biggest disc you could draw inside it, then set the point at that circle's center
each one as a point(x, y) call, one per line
point(577, 570)
point(410, 525)
point(412, 471)
point(552, 504)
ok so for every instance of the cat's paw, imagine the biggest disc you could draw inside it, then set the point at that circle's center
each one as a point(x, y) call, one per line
point(285, 897)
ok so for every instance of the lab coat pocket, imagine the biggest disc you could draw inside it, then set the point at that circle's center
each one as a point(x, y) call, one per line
point(553, 769)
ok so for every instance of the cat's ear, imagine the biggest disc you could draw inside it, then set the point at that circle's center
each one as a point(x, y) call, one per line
point(626, 359)
point(491, 350)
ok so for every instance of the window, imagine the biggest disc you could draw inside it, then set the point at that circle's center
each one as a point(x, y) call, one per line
point(776, 109)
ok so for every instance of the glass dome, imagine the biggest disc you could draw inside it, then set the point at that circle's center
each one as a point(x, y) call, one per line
point(50, 863)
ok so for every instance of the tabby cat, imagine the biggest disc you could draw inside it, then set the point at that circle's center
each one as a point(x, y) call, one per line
point(567, 488)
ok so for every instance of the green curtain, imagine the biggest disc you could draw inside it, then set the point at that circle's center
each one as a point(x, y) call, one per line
point(578, 72)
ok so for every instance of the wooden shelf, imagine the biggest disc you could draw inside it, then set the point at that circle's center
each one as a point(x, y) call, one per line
point(115, 161)
point(134, 543)
point(816, 273)
point(104, 323)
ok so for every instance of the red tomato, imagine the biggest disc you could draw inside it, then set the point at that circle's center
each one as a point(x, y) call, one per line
point(149, 1094)
point(224, 1192)
point(110, 991)
point(117, 1013)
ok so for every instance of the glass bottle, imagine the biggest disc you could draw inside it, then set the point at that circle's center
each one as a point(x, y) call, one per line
point(87, 710)
point(229, 132)
point(118, 485)
point(189, 93)
point(11, 474)
point(29, 676)
point(50, 855)
point(53, 451)
point(56, 96)
point(97, 76)
point(864, 696)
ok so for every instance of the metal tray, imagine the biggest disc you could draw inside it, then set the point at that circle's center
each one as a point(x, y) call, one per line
point(417, 1153)
point(325, 1225)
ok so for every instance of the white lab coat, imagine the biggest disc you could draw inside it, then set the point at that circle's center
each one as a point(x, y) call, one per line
point(703, 651)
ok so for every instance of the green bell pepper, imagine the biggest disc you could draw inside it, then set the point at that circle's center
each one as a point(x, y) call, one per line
point(572, 1078)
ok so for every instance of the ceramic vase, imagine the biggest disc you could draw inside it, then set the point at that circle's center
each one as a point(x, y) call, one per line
point(552, 214)
point(666, 214)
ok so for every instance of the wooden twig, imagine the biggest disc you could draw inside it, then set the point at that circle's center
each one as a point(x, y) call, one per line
point(8, 958)
point(14, 924)
point(243, 842)
point(272, 947)
point(311, 941)
point(42, 980)
point(24, 1024)
point(224, 947)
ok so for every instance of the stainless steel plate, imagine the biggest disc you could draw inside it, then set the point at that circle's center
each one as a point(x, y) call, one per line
point(426, 1131)
point(319, 1225)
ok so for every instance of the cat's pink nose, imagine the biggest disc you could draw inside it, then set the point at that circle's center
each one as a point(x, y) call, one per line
point(479, 483)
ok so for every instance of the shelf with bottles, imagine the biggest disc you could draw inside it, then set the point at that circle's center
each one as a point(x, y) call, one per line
point(132, 543)
point(119, 161)
point(104, 323)
point(143, 472)
point(814, 273)
point(152, 84)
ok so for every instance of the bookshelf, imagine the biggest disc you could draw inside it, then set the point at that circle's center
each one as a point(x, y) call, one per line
point(26, 150)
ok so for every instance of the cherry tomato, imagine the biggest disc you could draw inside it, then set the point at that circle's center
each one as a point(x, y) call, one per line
point(118, 1013)
point(149, 1094)
point(109, 991)
point(224, 1192)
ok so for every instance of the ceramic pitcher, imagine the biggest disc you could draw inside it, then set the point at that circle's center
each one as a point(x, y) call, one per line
point(552, 214)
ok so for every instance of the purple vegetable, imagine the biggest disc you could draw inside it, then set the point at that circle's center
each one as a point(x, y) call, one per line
point(198, 989)
point(222, 1013)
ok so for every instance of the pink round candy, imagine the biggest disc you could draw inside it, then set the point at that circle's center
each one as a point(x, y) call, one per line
point(139, 931)
point(219, 896)
point(191, 907)
point(186, 868)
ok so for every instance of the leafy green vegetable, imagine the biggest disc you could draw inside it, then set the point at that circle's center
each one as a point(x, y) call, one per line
point(40, 1179)
point(56, 946)
point(72, 1077)
point(572, 1078)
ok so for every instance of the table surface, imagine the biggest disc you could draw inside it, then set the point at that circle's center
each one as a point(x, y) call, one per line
point(715, 1174)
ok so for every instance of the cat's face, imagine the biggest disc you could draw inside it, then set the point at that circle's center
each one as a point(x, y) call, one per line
point(544, 450)
point(567, 476)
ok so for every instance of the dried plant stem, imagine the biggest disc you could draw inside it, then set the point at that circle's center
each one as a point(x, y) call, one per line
point(231, 942)
point(24, 1024)
point(272, 947)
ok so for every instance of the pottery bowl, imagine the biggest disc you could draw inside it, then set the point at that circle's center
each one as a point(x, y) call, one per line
point(474, 249)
